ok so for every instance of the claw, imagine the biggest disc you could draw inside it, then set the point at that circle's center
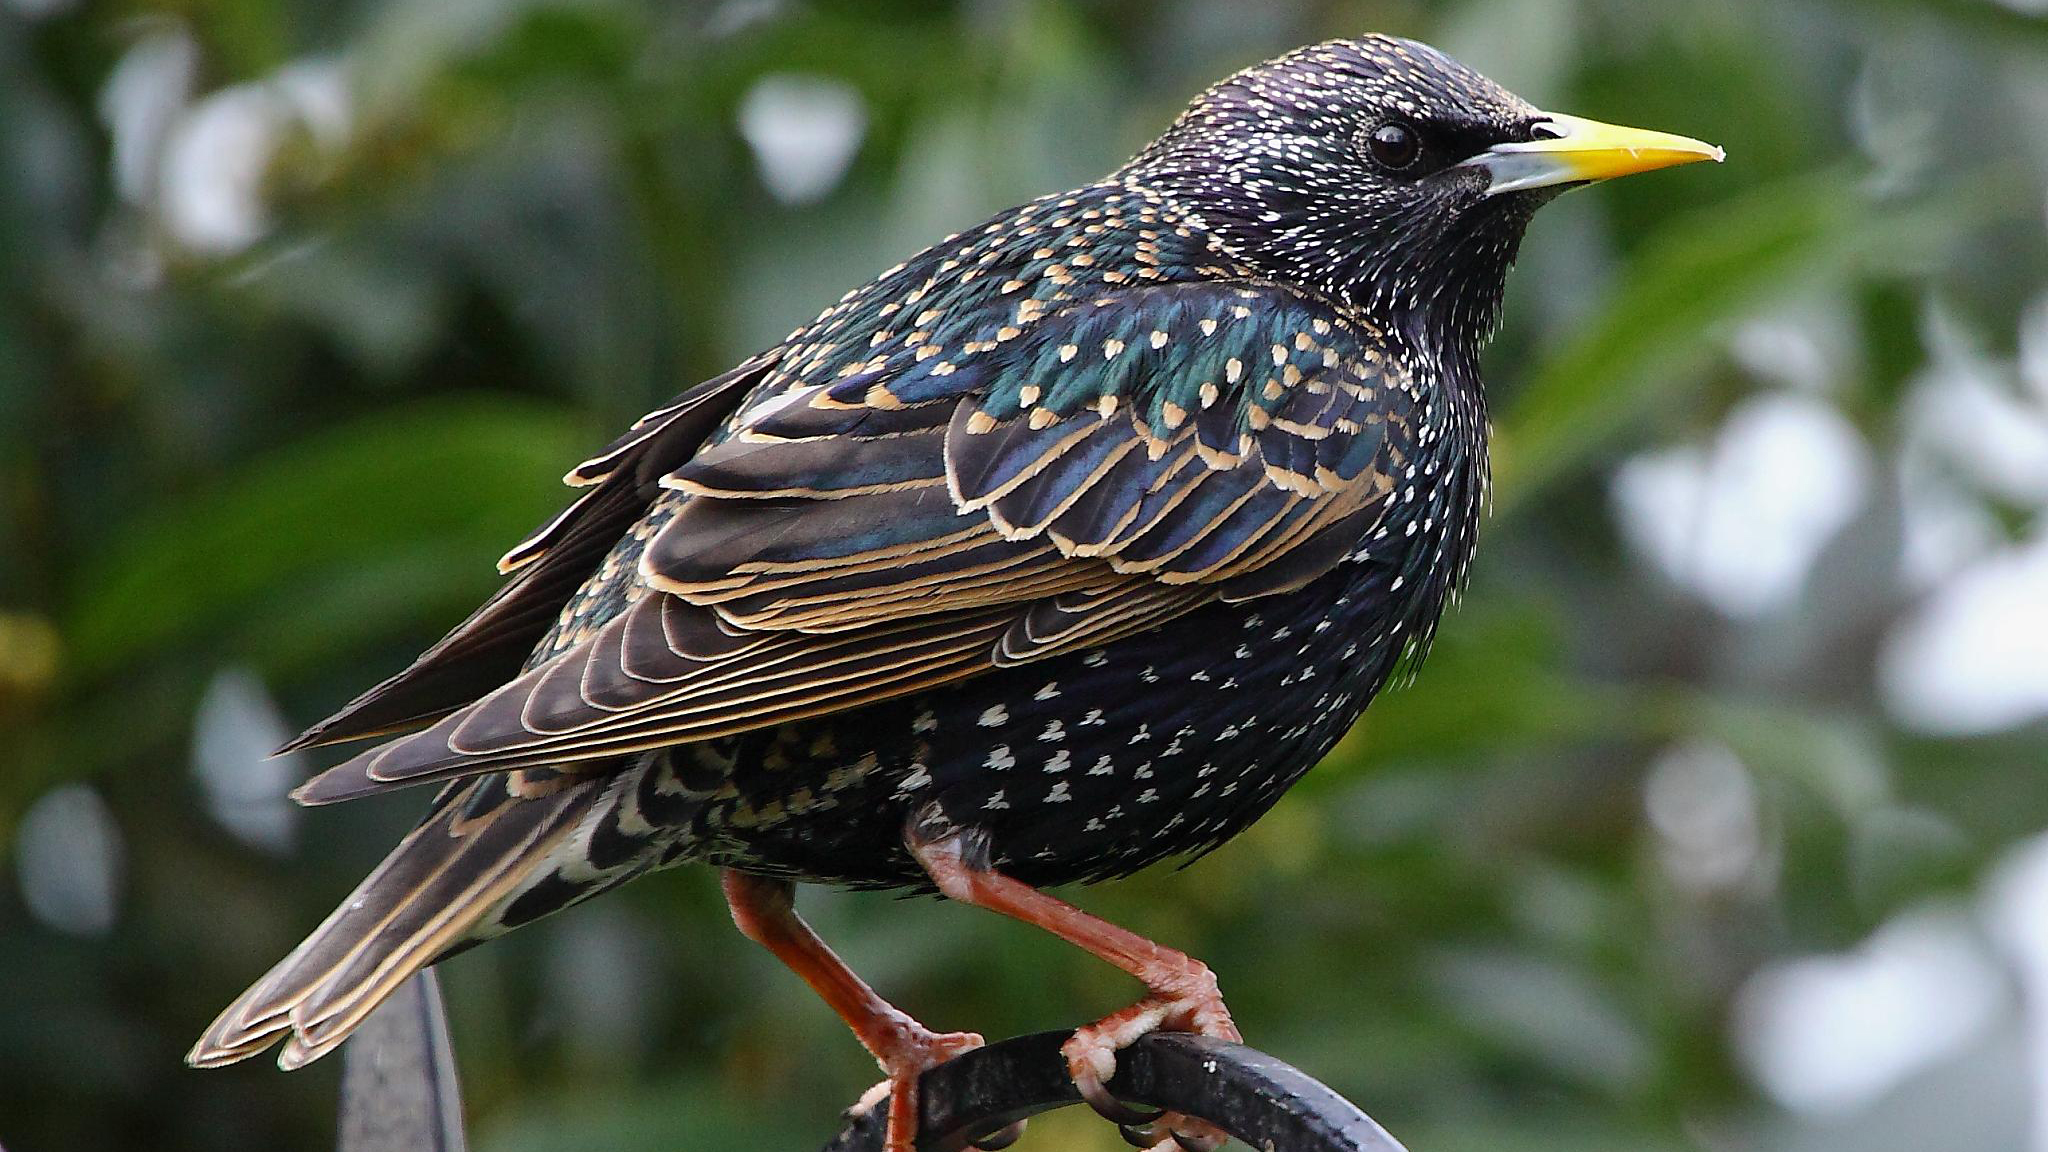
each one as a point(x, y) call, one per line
point(875, 1094)
point(1186, 1001)
point(914, 1054)
point(1139, 1135)
point(1186, 1132)
point(1197, 1136)
point(1112, 1109)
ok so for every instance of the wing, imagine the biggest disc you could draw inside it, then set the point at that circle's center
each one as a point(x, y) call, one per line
point(490, 647)
point(992, 494)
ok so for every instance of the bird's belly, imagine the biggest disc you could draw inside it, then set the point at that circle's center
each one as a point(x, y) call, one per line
point(1079, 767)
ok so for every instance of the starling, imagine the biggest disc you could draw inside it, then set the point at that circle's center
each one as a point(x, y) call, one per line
point(1061, 548)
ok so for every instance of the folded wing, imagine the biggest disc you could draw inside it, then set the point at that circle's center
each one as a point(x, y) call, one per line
point(547, 567)
point(933, 513)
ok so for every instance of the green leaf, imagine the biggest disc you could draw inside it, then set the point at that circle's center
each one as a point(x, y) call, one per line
point(457, 479)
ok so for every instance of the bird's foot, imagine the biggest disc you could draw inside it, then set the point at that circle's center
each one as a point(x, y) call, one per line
point(1173, 1132)
point(908, 1053)
point(1186, 1000)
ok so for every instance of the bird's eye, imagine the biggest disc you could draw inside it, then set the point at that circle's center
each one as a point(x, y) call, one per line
point(1393, 145)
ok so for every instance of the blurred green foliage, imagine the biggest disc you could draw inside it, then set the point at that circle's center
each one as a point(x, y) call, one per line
point(477, 237)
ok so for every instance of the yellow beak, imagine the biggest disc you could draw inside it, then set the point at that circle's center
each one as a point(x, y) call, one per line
point(1575, 150)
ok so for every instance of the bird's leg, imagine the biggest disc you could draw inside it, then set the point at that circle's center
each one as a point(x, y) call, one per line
point(765, 911)
point(1182, 993)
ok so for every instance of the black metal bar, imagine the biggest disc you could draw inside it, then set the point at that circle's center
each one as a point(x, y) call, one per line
point(1257, 1098)
point(399, 1091)
point(398, 1086)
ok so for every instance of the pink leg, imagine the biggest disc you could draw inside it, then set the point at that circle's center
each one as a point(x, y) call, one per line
point(765, 911)
point(1182, 993)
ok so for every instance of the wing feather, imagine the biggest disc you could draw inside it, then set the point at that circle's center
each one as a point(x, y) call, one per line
point(847, 543)
point(548, 567)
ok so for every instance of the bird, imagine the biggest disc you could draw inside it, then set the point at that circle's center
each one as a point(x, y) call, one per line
point(1061, 548)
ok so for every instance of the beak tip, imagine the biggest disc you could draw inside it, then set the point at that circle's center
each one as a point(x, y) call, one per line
point(1581, 151)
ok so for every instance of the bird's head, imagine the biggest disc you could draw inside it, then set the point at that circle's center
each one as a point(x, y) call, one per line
point(1383, 173)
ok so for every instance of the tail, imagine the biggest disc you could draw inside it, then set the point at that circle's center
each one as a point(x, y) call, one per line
point(445, 885)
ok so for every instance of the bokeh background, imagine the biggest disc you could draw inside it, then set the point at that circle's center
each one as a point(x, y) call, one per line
point(1715, 822)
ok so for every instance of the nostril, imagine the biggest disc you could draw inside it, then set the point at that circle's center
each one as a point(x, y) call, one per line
point(1546, 130)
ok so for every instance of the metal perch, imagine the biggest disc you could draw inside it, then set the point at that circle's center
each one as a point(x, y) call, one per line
point(399, 1090)
point(1257, 1098)
point(398, 1086)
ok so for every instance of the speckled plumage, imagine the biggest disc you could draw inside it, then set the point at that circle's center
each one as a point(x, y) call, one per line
point(1222, 421)
point(1088, 529)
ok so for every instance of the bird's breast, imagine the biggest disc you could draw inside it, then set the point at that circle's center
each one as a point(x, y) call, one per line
point(1093, 764)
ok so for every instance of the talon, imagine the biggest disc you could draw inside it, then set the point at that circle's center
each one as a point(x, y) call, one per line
point(1190, 1004)
point(1001, 1138)
point(1091, 1061)
point(1174, 1129)
point(1114, 1110)
point(1139, 1135)
point(914, 1053)
point(1197, 1136)
point(868, 1099)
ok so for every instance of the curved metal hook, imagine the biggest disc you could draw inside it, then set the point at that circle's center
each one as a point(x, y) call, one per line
point(1260, 1099)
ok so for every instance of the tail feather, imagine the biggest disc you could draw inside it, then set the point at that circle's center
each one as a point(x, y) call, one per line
point(435, 889)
